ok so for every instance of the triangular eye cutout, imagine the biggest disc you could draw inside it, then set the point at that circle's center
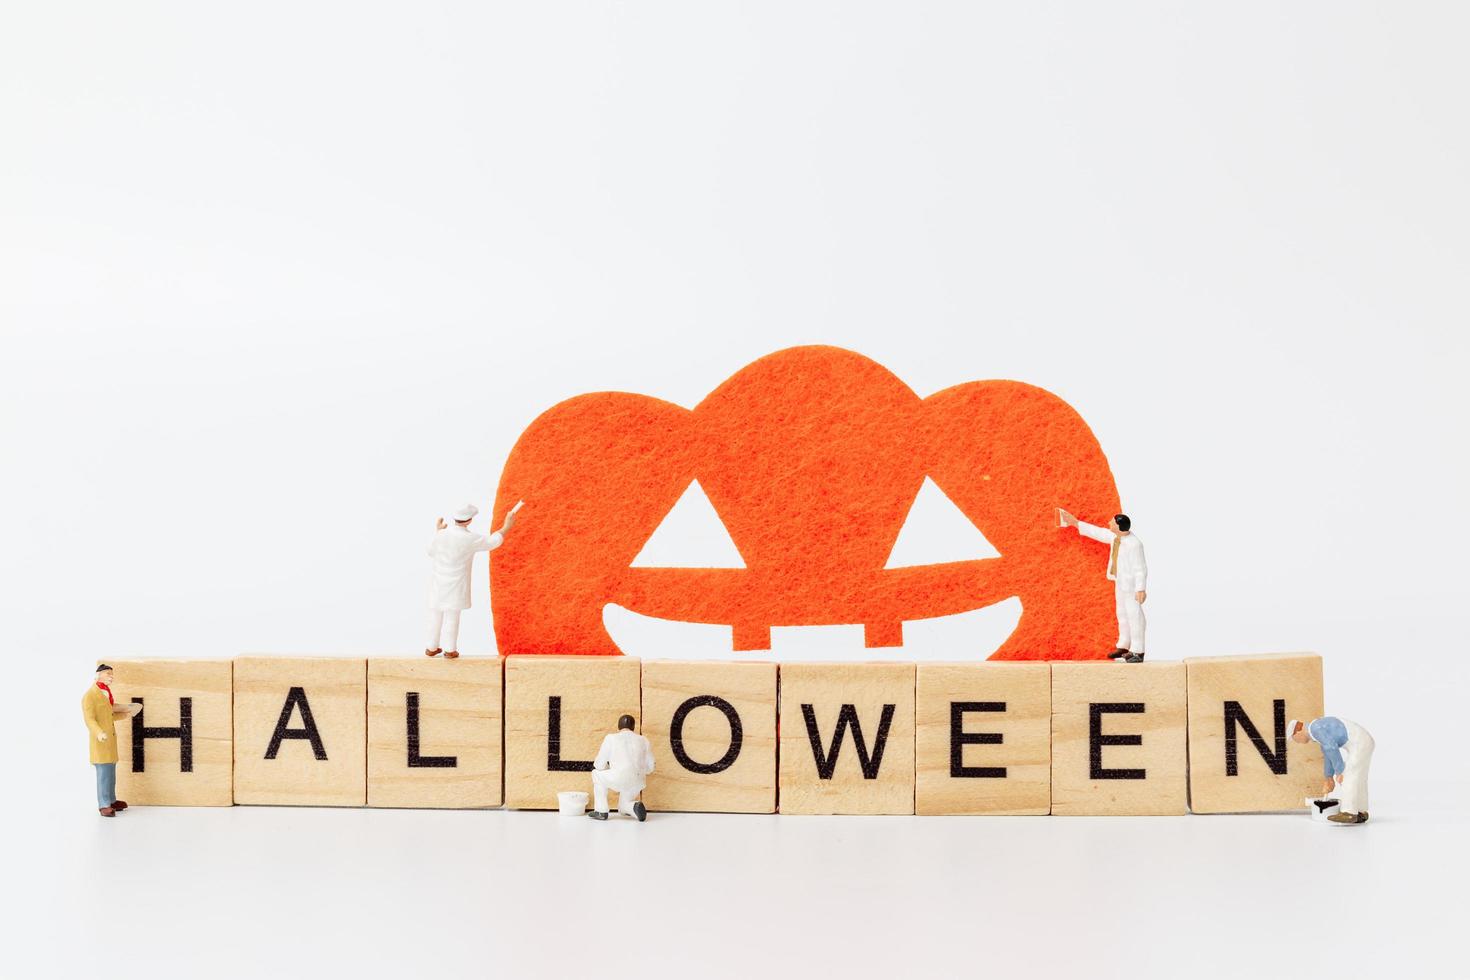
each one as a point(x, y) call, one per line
point(691, 535)
point(936, 531)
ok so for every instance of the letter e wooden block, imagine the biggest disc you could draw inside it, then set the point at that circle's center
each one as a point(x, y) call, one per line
point(177, 751)
point(983, 738)
point(301, 731)
point(847, 738)
point(713, 731)
point(1240, 759)
point(433, 732)
point(1118, 739)
point(557, 711)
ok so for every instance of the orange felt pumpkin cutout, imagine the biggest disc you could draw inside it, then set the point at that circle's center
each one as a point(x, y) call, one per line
point(812, 457)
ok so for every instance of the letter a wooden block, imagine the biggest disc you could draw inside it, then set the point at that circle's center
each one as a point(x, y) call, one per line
point(177, 751)
point(301, 731)
point(557, 711)
point(433, 732)
point(712, 727)
point(1240, 758)
point(983, 738)
point(1117, 739)
point(847, 738)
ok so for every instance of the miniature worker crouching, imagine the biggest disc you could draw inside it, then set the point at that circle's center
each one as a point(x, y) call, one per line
point(1129, 573)
point(100, 710)
point(622, 765)
point(1347, 751)
point(453, 550)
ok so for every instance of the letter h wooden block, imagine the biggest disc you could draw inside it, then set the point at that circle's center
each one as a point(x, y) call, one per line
point(712, 727)
point(177, 750)
point(557, 711)
point(847, 738)
point(1240, 759)
point(301, 731)
point(434, 732)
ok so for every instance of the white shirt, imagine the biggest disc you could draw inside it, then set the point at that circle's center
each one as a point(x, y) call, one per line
point(1132, 574)
point(626, 753)
point(453, 550)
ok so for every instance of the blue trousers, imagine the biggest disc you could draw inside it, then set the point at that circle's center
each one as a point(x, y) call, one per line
point(106, 783)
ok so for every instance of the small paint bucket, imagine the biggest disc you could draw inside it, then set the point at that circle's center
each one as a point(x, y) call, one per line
point(571, 803)
point(1322, 808)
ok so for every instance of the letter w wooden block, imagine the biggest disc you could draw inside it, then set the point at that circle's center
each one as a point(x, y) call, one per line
point(983, 742)
point(847, 738)
point(712, 727)
point(301, 731)
point(1240, 759)
point(177, 751)
point(433, 732)
point(1117, 738)
point(557, 711)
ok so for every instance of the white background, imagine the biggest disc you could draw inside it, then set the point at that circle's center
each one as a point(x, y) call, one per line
point(280, 283)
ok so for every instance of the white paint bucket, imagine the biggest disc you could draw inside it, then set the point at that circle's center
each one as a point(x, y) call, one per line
point(571, 803)
point(1322, 808)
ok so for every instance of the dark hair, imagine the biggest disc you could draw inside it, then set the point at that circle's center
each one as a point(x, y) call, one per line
point(625, 722)
point(102, 667)
point(1123, 522)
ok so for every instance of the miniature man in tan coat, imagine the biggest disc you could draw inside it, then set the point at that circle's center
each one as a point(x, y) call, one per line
point(100, 711)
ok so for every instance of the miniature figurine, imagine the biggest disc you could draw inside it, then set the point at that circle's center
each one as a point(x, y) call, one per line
point(622, 765)
point(1347, 751)
point(453, 550)
point(1126, 568)
point(99, 710)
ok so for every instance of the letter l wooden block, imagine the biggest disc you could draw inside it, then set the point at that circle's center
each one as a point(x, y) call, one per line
point(434, 732)
point(301, 731)
point(1240, 759)
point(178, 750)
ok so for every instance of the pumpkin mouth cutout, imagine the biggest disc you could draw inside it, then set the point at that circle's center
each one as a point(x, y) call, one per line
point(962, 636)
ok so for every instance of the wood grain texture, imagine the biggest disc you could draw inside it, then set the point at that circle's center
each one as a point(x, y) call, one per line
point(336, 692)
point(822, 690)
point(747, 782)
point(1255, 684)
point(165, 686)
point(1011, 701)
point(592, 691)
point(1157, 689)
point(455, 758)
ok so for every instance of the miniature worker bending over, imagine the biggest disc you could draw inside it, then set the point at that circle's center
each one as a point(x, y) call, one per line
point(1347, 751)
point(453, 550)
point(622, 765)
point(1128, 572)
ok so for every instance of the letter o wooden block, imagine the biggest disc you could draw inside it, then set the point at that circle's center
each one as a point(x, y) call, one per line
point(434, 732)
point(1240, 759)
point(301, 731)
point(847, 738)
point(557, 711)
point(1118, 739)
point(712, 727)
point(178, 750)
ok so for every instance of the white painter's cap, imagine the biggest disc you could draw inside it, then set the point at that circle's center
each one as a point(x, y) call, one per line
point(466, 513)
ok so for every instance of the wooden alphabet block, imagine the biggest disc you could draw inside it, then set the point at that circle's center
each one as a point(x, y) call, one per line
point(1118, 738)
point(178, 750)
point(301, 731)
point(983, 738)
point(713, 731)
point(1240, 758)
point(847, 738)
point(557, 711)
point(433, 732)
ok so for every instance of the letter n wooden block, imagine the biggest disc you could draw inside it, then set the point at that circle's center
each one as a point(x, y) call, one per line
point(557, 711)
point(301, 731)
point(177, 750)
point(1117, 739)
point(434, 732)
point(983, 738)
point(1240, 758)
point(847, 738)
point(712, 727)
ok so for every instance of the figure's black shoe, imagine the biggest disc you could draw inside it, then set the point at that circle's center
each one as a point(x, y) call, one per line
point(1133, 658)
point(640, 811)
point(1120, 652)
point(597, 815)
